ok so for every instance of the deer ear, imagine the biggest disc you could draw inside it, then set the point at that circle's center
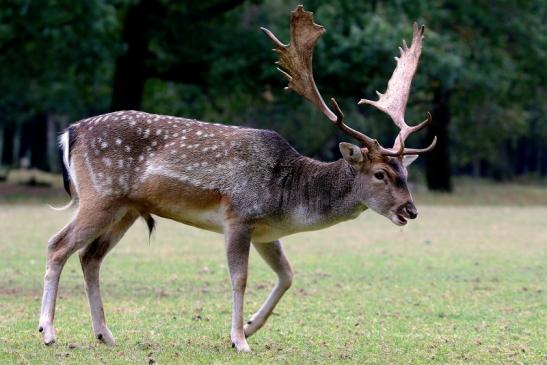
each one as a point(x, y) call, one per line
point(351, 152)
point(408, 159)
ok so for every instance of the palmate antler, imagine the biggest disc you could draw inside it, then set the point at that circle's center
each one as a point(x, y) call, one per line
point(393, 101)
point(295, 61)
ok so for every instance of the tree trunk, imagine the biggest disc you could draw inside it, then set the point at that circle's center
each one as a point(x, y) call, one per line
point(135, 66)
point(437, 162)
point(52, 148)
point(131, 74)
point(34, 143)
point(8, 146)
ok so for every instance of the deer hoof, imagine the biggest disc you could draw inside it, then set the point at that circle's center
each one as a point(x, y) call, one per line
point(105, 336)
point(241, 346)
point(48, 335)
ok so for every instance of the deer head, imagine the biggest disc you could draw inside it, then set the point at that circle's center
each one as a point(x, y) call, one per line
point(381, 173)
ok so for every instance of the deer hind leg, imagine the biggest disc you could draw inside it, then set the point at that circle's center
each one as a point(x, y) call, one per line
point(238, 243)
point(82, 230)
point(91, 258)
point(274, 256)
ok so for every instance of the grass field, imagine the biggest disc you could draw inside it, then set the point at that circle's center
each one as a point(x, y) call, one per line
point(462, 284)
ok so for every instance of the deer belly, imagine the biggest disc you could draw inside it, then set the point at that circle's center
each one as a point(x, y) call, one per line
point(166, 197)
point(209, 218)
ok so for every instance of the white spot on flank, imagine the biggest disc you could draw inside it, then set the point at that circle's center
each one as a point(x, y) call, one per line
point(158, 132)
point(132, 123)
point(120, 163)
point(218, 155)
point(118, 141)
point(141, 157)
point(127, 149)
point(154, 143)
point(199, 133)
point(107, 161)
point(175, 135)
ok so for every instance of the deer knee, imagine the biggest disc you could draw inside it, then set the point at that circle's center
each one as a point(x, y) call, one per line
point(286, 279)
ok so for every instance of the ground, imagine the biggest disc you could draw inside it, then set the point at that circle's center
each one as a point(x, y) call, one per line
point(464, 283)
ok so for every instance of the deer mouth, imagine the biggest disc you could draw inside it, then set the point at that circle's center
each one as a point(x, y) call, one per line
point(398, 219)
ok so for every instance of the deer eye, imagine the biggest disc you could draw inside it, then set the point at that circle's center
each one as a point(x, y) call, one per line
point(379, 175)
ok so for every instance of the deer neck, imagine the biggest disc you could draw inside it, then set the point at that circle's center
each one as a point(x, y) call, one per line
point(324, 193)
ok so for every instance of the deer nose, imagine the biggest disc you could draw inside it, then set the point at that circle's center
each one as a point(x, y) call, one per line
point(410, 210)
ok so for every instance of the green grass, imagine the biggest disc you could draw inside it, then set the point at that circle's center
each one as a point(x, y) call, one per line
point(460, 285)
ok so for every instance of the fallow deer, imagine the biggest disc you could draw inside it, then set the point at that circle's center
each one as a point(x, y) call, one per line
point(247, 184)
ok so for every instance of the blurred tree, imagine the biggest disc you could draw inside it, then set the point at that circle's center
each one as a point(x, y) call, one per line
point(165, 40)
point(482, 73)
point(55, 60)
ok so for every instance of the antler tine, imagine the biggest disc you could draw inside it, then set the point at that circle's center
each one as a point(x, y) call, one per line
point(418, 151)
point(407, 131)
point(295, 61)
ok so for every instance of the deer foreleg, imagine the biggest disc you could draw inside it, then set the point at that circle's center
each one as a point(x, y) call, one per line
point(274, 256)
point(238, 242)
